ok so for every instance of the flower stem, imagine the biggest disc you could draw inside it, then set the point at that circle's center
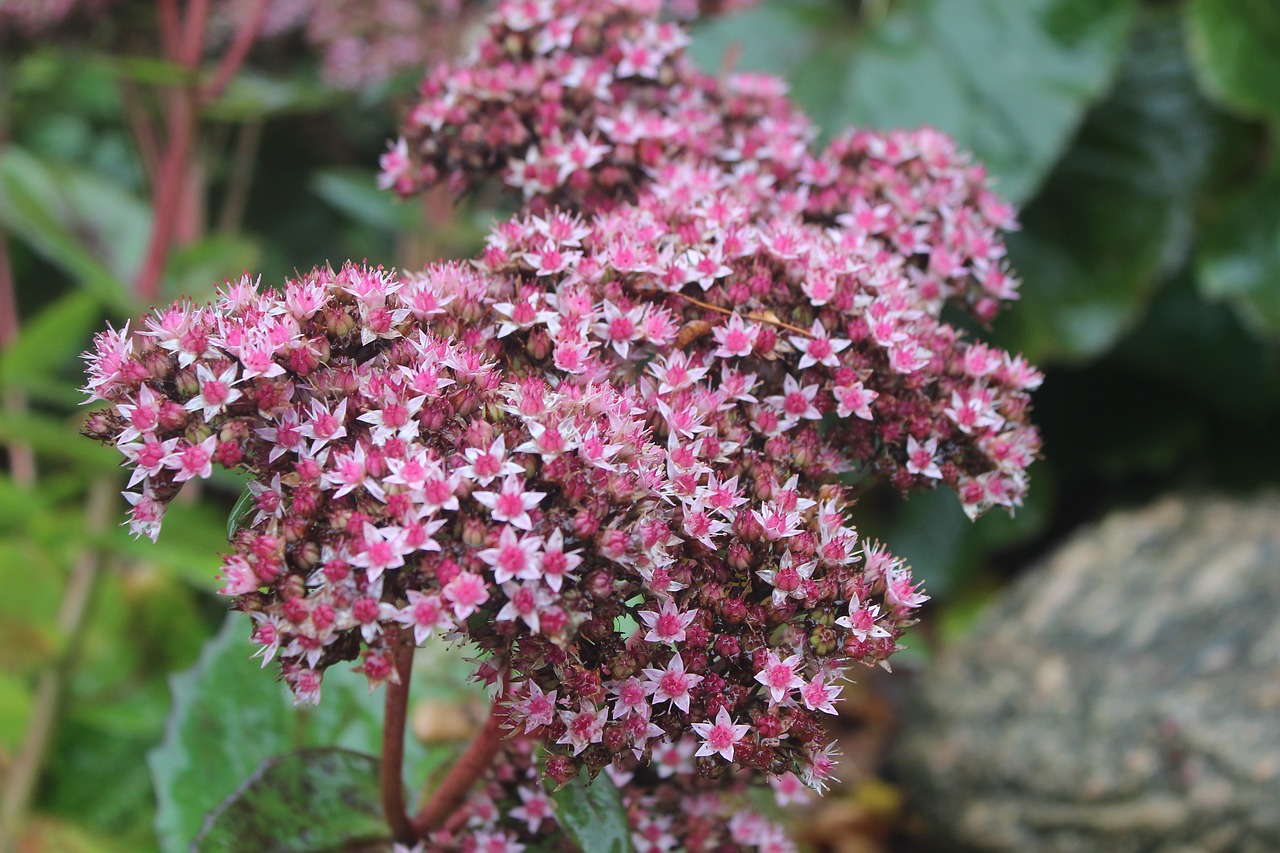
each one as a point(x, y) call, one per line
point(391, 772)
point(450, 793)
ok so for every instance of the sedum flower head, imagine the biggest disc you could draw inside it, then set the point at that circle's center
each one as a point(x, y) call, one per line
point(606, 452)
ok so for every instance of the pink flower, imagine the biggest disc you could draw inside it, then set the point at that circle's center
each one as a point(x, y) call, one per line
point(736, 338)
point(426, 614)
point(514, 556)
point(780, 676)
point(672, 683)
point(720, 736)
point(668, 624)
point(557, 565)
point(466, 593)
point(921, 458)
point(536, 708)
point(819, 348)
point(512, 503)
point(193, 460)
point(486, 465)
point(584, 727)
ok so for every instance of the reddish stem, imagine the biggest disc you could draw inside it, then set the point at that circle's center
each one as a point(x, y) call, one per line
point(173, 182)
point(238, 50)
point(144, 132)
point(170, 29)
point(169, 190)
point(391, 771)
point(193, 25)
point(450, 793)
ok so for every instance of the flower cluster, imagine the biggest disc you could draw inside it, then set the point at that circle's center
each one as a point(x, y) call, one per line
point(607, 452)
point(669, 194)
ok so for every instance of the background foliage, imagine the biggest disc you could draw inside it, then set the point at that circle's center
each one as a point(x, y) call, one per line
point(1139, 138)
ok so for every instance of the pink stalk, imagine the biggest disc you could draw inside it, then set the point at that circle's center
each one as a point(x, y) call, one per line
point(184, 42)
point(450, 793)
point(391, 772)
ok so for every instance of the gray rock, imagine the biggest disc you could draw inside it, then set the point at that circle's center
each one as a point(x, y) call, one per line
point(1124, 696)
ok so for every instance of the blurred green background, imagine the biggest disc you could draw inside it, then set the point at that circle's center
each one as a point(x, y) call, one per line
point(1138, 138)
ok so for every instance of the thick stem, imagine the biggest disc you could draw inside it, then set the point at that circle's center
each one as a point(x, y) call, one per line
point(452, 790)
point(391, 771)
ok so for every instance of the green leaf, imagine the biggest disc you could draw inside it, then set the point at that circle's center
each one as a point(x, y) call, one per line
point(1236, 48)
point(15, 709)
point(55, 438)
point(800, 41)
point(229, 715)
point(1009, 80)
point(240, 513)
point(252, 96)
point(1239, 260)
point(304, 802)
point(592, 815)
point(149, 70)
point(85, 225)
point(355, 192)
point(196, 269)
point(49, 340)
point(1117, 215)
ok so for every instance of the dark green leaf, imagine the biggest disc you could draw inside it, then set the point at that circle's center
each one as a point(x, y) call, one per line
point(592, 815)
point(1239, 260)
point(150, 70)
point(252, 96)
point(55, 438)
point(1010, 80)
point(800, 41)
point(1117, 215)
point(15, 709)
point(1236, 48)
point(304, 802)
point(355, 192)
point(77, 221)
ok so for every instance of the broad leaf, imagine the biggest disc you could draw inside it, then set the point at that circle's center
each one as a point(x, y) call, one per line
point(1010, 80)
point(1236, 48)
point(592, 815)
point(241, 513)
point(306, 801)
point(806, 42)
point(252, 96)
point(1239, 260)
point(229, 715)
point(1117, 215)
